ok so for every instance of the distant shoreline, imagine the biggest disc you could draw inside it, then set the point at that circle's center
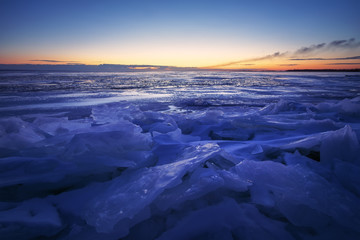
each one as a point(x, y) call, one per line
point(324, 70)
point(140, 68)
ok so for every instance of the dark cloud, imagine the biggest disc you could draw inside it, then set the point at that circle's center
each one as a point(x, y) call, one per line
point(338, 44)
point(343, 64)
point(351, 43)
point(52, 61)
point(298, 55)
point(267, 57)
point(305, 59)
point(305, 50)
point(343, 58)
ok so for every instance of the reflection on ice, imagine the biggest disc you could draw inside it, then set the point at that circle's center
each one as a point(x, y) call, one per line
point(80, 100)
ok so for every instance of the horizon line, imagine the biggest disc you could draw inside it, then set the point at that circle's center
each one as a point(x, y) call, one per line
point(147, 67)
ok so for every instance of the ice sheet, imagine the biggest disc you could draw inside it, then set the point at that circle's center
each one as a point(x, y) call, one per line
point(180, 155)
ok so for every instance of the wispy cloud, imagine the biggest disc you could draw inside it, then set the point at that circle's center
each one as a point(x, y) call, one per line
point(267, 57)
point(298, 55)
point(52, 61)
point(343, 63)
point(321, 59)
point(337, 44)
point(310, 49)
point(351, 43)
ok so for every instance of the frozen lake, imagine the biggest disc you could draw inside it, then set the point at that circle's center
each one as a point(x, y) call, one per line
point(39, 91)
point(180, 155)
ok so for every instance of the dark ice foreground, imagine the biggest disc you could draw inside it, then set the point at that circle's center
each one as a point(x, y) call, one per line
point(179, 155)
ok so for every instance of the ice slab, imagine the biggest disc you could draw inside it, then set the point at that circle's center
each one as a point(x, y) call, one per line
point(303, 197)
point(129, 194)
point(227, 219)
point(31, 219)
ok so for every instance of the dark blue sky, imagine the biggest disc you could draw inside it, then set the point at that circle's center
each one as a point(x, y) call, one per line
point(183, 33)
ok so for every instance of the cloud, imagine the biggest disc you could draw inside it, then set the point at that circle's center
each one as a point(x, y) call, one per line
point(298, 55)
point(351, 43)
point(316, 59)
point(337, 44)
point(312, 48)
point(52, 61)
point(343, 64)
point(348, 58)
point(267, 57)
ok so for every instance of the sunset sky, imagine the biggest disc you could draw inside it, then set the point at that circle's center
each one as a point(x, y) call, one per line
point(259, 34)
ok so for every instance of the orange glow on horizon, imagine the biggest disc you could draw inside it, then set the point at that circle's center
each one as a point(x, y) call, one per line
point(276, 64)
point(144, 68)
point(283, 64)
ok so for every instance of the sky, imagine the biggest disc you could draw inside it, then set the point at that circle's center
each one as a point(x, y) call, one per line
point(224, 34)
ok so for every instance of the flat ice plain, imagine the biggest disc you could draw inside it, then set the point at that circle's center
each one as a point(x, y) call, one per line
point(179, 155)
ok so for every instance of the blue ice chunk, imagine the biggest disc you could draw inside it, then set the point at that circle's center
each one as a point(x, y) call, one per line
point(128, 195)
point(242, 221)
point(340, 145)
point(60, 125)
point(18, 134)
point(32, 219)
point(120, 145)
point(200, 182)
point(303, 197)
point(25, 170)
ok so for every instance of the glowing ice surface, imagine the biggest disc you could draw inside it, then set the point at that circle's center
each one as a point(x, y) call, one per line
point(179, 155)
